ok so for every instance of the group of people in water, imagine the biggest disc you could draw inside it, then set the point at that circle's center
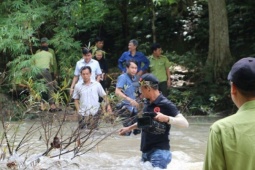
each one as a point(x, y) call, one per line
point(146, 80)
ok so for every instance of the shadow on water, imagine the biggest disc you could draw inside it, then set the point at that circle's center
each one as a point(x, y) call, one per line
point(121, 152)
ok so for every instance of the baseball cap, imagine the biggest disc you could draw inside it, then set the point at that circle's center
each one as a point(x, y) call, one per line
point(44, 40)
point(242, 74)
point(148, 79)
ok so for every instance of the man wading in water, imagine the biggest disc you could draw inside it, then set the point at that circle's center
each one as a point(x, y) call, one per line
point(158, 115)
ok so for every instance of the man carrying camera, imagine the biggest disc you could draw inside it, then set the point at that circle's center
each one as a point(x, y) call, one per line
point(163, 113)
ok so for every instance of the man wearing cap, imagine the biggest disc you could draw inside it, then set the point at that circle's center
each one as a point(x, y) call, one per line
point(154, 141)
point(139, 57)
point(231, 143)
point(44, 60)
point(54, 67)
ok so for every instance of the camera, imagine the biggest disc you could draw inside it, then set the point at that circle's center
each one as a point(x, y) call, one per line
point(146, 120)
point(149, 125)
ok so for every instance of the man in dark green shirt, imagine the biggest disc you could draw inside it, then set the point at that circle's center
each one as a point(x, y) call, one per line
point(231, 144)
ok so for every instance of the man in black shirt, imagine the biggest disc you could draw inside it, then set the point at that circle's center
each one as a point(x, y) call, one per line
point(155, 145)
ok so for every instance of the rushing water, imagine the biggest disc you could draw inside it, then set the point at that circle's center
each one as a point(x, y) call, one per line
point(117, 152)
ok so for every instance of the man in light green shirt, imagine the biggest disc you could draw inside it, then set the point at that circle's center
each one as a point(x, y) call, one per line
point(54, 67)
point(44, 61)
point(231, 144)
point(159, 67)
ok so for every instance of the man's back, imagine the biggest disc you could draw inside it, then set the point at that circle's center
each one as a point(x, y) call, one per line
point(43, 59)
point(232, 141)
point(54, 67)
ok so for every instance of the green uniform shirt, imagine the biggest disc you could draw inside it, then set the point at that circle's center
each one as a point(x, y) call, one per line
point(54, 67)
point(231, 144)
point(43, 59)
point(158, 67)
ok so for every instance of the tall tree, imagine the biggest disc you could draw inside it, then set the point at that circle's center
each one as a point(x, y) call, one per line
point(219, 55)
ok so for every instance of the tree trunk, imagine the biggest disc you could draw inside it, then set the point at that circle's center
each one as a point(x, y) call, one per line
point(125, 25)
point(153, 27)
point(219, 56)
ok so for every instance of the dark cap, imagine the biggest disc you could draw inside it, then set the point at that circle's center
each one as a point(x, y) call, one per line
point(148, 79)
point(44, 40)
point(242, 74)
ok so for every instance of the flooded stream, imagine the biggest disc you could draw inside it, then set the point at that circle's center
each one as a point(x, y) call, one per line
point(117, 152)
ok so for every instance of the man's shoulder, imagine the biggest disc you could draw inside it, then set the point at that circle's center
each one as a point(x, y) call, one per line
point(150, 57)
point(224, 123)
point(163, 57)
point(122, 76)
point(79, 84)
point(140, 53)
point(125, 53)
point(51, 51)
point(94, 61)
point(44, 53)
point(80, 61)
point(94, 82)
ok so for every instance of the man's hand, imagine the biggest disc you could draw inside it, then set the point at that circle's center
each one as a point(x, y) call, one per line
point(169, 83)
point(133, 102)
point(109, 109)
point(160, 117)
point(139, 73)
point(124, 130)
point(71, 91)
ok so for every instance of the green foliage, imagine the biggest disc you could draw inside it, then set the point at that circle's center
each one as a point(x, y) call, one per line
point(240, 28)
point(201, 97)
point(181, 29)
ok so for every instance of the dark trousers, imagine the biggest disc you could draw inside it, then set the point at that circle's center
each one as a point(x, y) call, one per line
point(163, 88)
point(45, 74)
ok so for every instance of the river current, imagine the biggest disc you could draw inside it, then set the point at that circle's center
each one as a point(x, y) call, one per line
point(106, 150)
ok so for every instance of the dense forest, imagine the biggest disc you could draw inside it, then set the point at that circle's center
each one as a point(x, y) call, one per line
point(204, 36)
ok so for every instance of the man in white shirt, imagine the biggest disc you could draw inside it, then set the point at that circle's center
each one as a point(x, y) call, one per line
point(86, 61)
point(86, 97)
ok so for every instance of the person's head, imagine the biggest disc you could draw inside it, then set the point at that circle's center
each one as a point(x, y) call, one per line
point(131, 66)
point(99, 42)
point(156, 49)
point(87, 54)
point(132, 45)
point(44, 42)
point(86, 73)
point(99, 54)
point(148, 85)
point(242, 78)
